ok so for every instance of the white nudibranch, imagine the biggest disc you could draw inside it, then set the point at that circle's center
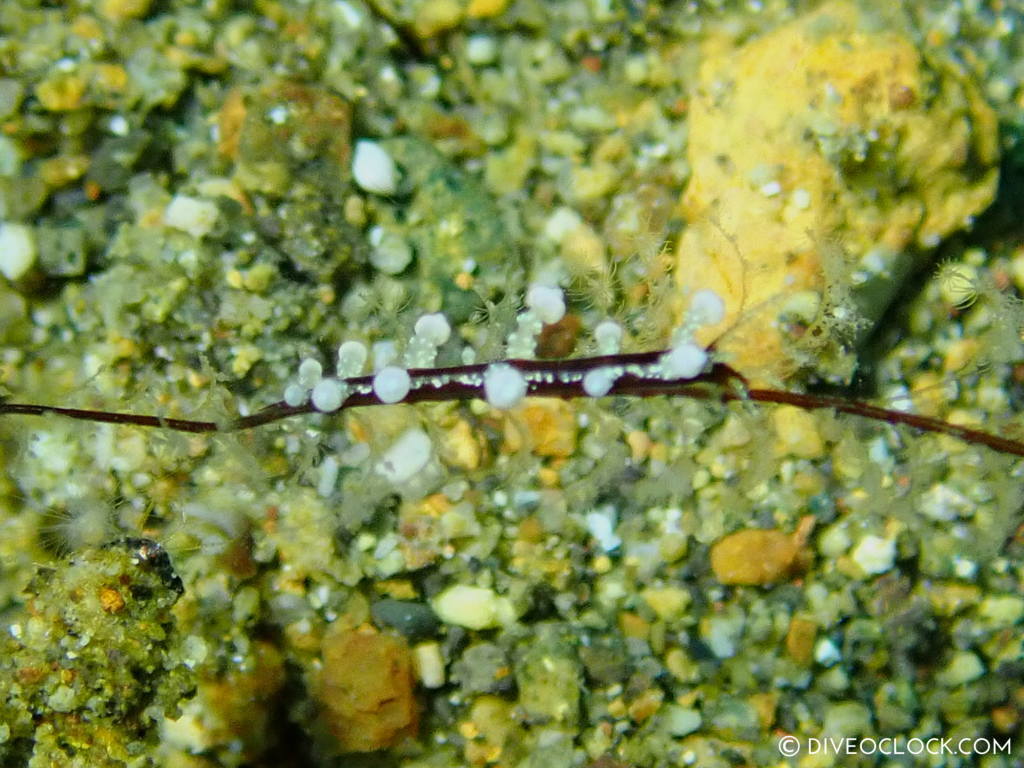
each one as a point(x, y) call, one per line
point(391, 384)
point(504, 386)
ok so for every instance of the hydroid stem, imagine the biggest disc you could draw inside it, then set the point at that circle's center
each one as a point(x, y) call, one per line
point(635, 376)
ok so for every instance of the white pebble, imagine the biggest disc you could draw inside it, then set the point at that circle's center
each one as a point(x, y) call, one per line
point(17, 249)
point(504, 386)
point(707, 308)
point(601, 525)
point(683, 361)
point(547, 302)
point(192, 215)
point(391, 252)
point(351, 359)
point(373, 169)
point(826, 653)
point(328, 395)
point(472, 607)
point(874, 554)
point(391, 384)
point(801, 199)
point(560, 223)
point(433, 328)
point(407, 456)
point(481, 49)
point(429, 664)
point(598, 382)
point(608, 335)
point(329, 468)
point(310, 372)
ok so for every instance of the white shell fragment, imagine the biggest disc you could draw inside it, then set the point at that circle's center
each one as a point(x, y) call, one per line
point(391, 384)
point(874, 554)
point(407, 456)
point(429, 664)
point(391, 251)
point(192, 215)
point(601, 525)
point(504, 386)
point(17, 249)
point(373, 169)
point(472, 607)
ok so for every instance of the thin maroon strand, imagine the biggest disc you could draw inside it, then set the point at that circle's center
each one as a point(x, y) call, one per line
point(720, 383)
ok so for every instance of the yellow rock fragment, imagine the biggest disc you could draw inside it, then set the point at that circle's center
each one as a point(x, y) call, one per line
point(645, 705)
point(491, 721)
point(58, 171)
point(764, 705)
point(634, 625)
point(672, 546)
point(668, 603)
point(758, 556)
point(459, 447)
point(485, 9)
point(550, 427)
point(950, 598)
point(797, 433)
point(245, 356)
point(366, 690)
point(960, 354)
point(800, 639)
point(86, 27)
point(258, 278)
point(864, 157)
point(436, 16)
point(592, 182)
point(110, 77)
point(61, 92)
point(639, 444)
point(122, 10)
point(111, 600)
